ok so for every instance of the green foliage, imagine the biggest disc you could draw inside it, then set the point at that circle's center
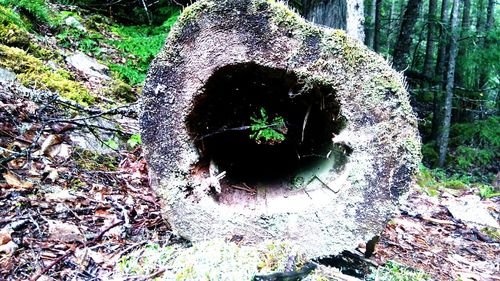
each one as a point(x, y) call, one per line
point(394, 271)
point(429, 153)
point(87, 42)
point(474, 148)
point(9, 17)
point(38, 9)
point(491, 232)
point(134, 140)
point(481, 133)
point(270, 132)
point(111, 143)
point(487, 191)
point(139, 45)
point(468, 157)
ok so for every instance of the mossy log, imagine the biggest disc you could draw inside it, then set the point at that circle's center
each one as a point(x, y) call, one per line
point(350, 148)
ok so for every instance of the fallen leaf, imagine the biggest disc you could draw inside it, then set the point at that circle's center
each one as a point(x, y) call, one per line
point(61, 195)
point(64, 232)
point(60, 151)
point(48, 142)
point(14, 181)
point(9, 248)
point(5, 237)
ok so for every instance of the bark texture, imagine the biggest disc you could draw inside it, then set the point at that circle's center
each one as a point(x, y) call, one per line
point(378, 25)
point(404, 42)
point(431, 40)
point(224, 60)
point(340, 14)
point(450, 79)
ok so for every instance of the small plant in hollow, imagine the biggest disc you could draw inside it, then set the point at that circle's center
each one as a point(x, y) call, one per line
point(268, 131)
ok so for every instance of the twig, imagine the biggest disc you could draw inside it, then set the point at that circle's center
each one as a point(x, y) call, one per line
point(56, 261)
point(148, 277)
point(99, 236)
point(242, 128)
point(305, 122)
point(71, 251)
point(115, 110)
point(243, 188)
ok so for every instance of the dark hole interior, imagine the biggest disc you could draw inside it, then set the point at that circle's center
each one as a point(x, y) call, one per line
point(221, 119)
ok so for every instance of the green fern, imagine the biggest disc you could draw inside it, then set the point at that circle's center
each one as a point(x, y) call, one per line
point(268, 132)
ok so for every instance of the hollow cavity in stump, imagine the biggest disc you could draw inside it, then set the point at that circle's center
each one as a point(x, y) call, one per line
point(224, 124)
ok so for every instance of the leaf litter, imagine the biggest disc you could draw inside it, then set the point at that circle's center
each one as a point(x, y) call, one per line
point(67, 212)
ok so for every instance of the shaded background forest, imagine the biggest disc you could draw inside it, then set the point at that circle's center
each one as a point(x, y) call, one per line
point(447, 49)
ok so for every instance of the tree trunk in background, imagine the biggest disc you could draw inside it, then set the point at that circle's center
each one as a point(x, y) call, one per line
point(462, 50)
point(450, 77)
point(370, 24)
point(439, 72)
point(443, 35)
point(391, 24)
point(403, 44)
point(484, 71)
point(341, 14)
point(378, 25)
point(431, 39)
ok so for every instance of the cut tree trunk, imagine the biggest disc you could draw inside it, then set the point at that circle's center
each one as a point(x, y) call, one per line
point(258, 125)
point(450, 79)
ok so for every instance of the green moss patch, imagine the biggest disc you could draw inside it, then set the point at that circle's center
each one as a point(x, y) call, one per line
point(33, 72)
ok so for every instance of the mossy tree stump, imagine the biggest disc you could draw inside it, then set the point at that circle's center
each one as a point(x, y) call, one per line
point(350, 146)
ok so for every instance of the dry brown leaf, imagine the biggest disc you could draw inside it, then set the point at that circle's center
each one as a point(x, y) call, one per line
point(61, 151)
point(9, 248)
point(15, 182)
point(5, 237)
point(64, 232)
point(48, 142)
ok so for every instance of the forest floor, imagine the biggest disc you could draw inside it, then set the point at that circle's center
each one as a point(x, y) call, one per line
point(69, 213)
point(75, 200)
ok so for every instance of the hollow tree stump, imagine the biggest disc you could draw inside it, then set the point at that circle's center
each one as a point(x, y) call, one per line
point(260, 126)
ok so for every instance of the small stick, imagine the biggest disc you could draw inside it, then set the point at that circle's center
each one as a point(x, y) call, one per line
point(56, 261)
point(326, 185)
point(305, 122)
point(243, 188)
point(150, 276)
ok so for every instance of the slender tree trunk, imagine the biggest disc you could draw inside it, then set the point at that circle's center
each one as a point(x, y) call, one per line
point(479, 16)
point(378, 25)
point(462, 51)
point(391, 24)
point(443, 35)
point(404, 42)
point(450, 77)
point(484, 71)
point(439, 72)
point(431, 39)
point(370, 24)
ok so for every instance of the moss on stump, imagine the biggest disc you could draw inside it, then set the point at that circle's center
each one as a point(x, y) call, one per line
point(350, 148)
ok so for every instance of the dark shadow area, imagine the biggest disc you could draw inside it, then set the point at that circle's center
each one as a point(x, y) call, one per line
point(233, 99)
point(349, 264)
